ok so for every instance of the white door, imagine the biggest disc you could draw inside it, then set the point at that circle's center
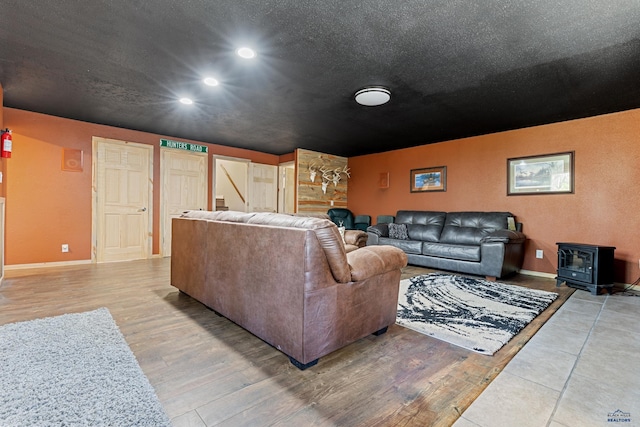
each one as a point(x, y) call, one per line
point(184, 178)
point(122, 195)
point(286, 188)
point(263, 190)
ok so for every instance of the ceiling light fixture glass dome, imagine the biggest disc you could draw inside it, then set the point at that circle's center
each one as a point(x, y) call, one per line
point(186, 101)
point(246, 53)
point(210, 81)
point(372, 96)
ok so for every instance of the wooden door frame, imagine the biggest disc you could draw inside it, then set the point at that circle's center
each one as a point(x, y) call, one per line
point(214, 173)
point(281, 185)
point(95, 140)
point(162, 172)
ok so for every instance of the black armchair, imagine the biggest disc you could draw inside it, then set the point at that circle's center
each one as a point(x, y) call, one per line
point(342, 218)
point(361, 222)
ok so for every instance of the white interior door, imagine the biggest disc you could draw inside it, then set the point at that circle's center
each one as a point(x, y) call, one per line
point(184, 179)
point(286, 188)
point(122, 196)
point(263, 191)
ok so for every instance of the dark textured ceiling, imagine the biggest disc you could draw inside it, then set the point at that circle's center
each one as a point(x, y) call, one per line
point(455, 68)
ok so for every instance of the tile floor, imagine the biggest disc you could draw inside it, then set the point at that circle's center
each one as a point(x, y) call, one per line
point(582, 368)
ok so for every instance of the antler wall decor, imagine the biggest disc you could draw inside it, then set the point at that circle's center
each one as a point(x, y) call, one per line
point(328, 174)
point(337, 175)
point(313, 170)
point(333, 175)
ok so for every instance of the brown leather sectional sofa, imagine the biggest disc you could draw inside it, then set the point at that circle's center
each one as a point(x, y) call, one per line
point(286, 279)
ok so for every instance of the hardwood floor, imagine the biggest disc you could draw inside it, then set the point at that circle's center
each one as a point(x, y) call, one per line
point(208, 371)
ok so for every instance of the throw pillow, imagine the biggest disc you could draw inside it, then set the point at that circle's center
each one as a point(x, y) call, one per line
point(398, 231)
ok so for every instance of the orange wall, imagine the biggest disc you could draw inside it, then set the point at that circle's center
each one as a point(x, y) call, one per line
point(289, 157)
point(46, 207)
point(605, 208)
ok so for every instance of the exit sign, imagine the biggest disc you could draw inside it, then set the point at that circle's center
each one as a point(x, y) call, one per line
point(183, 146)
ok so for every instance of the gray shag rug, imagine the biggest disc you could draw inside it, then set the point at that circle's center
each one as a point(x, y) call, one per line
point(476, 314)
point(73, 370)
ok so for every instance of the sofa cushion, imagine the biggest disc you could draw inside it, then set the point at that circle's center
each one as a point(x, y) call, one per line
point(421, 217)
point(398, 231)
point(422, 225)
point(408, 246)
point(468, 228)
point(425, 233)
point(459, 252)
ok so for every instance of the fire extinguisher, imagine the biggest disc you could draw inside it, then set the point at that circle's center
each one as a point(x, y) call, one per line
point(6, 144)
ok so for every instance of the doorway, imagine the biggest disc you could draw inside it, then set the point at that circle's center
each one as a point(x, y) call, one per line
point(122, 194)
point(287, 187)
point(241, 185)
point(230, 184)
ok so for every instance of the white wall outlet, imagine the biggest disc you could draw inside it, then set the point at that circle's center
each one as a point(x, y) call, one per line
point(539, 254)
point(332, 203)
point(65, 248)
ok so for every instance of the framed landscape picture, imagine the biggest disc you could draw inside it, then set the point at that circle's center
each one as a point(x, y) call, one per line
point(429, 179)
point(546, 174)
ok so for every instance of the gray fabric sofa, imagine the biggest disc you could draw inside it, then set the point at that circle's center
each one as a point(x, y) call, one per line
point(479, 243)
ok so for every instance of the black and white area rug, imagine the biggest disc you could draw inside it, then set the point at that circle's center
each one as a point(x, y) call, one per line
point(73, 370)
point(476, 314)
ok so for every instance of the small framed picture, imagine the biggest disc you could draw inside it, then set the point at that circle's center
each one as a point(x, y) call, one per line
point(546, 174)
point(429, 179)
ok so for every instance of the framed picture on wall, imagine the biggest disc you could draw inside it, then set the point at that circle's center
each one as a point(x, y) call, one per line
point(429, 179)
point(545, 174)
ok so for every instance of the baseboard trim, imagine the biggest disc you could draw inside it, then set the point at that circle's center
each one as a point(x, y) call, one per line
point(46, 264)
point(61, 263)
point(538, 274)
point(553, 276)
point(634, 288)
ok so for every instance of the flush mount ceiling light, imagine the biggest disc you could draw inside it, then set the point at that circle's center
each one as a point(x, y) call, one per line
point(372, 96)
point(210, 81)
point(186, 101)
point(246, 53)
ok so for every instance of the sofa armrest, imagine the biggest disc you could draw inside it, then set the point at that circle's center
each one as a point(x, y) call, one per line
point(504, 236)
point(382, 230)
point(373, 260)
point(355, 237)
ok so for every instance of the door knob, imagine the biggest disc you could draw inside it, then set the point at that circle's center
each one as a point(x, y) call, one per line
point(142, 210)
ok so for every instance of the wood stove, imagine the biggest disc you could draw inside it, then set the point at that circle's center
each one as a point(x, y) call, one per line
point(587, 267)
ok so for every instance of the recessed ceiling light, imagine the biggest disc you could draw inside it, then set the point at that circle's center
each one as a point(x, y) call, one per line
point(373, 96)
point(245, 52)
point(210, 81)
point(186, 101)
